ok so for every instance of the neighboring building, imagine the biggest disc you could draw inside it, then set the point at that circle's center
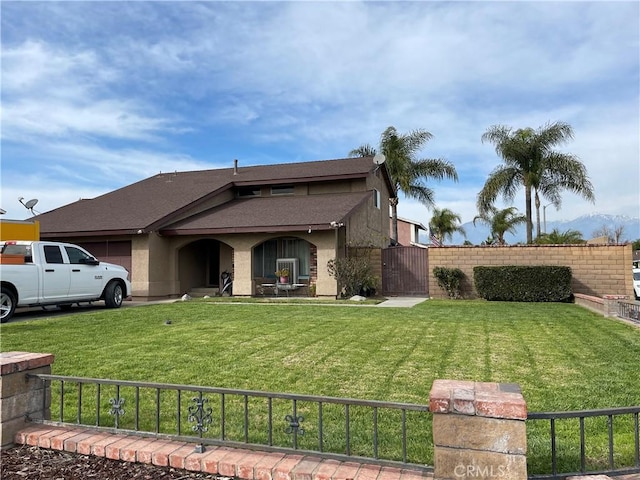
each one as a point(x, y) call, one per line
point(409, 232)
point(19, 230)
point(180, 231)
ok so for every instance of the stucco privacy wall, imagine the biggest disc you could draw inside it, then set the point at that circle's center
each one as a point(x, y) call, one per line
point(597, 270)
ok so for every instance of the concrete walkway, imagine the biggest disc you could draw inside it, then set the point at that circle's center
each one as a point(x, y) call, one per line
point(403, 302)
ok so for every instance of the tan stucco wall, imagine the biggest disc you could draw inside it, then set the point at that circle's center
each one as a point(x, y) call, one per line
point(140, 266)
point(326, 244)
point(351, 185)
point(596, 269)
point(369, 225)
point(153, 272)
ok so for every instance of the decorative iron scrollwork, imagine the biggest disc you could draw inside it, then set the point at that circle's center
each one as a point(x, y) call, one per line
point(200, 414)
point(294, 424)
point(116, 407)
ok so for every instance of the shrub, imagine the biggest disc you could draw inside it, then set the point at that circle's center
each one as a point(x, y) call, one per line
point(523, 283)
point(353, 275)
point(449, 280)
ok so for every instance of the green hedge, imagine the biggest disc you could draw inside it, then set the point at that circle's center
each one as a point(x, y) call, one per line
point(449, 280)
point(515, 283)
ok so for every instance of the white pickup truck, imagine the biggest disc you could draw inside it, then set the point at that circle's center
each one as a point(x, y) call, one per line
point(54, 273)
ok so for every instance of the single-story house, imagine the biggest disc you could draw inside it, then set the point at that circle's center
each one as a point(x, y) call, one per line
point(179, 231)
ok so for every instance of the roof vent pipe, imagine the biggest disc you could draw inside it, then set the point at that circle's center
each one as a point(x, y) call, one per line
point(235, 166)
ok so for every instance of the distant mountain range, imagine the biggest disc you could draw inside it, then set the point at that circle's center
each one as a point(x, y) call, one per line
point(586, 224)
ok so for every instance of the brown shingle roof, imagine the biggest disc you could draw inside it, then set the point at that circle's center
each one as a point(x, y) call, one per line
point(151, 203)
point(270, 214)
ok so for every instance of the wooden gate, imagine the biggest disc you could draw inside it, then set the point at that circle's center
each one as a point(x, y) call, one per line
point(405, 271)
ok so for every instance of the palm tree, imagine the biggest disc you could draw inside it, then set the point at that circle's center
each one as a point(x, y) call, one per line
point(555, 237)
point(501, 222)
point(444, 223)
point(530, 161)
point(407, 173)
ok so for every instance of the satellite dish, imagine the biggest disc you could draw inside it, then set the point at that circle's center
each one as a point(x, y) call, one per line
point(29, 205)
point(379, 159)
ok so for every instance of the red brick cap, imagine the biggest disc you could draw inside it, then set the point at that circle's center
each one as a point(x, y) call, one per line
point(483, 399)
point(14, 362)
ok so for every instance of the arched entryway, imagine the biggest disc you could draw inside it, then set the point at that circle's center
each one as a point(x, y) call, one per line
point(297, 255)
point(200, 264)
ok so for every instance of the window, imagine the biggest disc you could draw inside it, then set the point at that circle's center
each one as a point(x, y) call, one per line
point(52, 254)
point(282, 190)
point(249, 192)
point(77, 256)
point(376, 198)
point(266, 254)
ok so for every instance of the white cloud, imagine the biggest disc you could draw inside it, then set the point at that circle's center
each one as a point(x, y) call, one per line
point(146, 86)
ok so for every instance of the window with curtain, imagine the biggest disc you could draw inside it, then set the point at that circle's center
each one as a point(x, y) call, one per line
point(266, 254)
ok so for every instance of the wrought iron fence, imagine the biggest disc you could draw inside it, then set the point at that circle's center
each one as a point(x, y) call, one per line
point(629, 310)
point(384, 433)
point(603, 441)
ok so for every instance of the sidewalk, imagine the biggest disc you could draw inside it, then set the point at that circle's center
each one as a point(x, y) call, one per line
point(402, 302)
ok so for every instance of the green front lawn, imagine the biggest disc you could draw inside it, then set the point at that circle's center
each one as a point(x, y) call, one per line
point(564, 357)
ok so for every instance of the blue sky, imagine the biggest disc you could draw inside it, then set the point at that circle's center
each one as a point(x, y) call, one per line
point(98, 95)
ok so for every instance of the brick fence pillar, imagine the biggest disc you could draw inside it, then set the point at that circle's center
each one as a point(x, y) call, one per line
point(22, 397)
point(478, 431)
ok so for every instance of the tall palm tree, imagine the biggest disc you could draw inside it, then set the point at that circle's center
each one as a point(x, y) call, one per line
point(407, 173)
point(444, 223)
point(530, 161)
point(501, 222)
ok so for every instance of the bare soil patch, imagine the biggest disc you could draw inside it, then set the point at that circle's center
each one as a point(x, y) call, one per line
point(33, 463)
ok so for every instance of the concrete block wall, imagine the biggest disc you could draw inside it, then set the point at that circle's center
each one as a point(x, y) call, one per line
point(597, 270)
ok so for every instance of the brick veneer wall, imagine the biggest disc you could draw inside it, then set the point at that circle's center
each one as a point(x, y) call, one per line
point(597, 270)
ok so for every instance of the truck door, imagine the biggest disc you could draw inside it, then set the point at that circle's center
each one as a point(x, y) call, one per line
point(86, 277)
point(55, 274)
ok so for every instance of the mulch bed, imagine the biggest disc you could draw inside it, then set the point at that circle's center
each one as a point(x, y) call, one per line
point(31, 463)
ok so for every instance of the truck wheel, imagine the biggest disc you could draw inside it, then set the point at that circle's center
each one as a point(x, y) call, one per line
point(7, 304)
point(113, 295)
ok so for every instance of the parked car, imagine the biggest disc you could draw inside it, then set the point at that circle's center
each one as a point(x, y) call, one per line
point(636, 282)
point(36, 273)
